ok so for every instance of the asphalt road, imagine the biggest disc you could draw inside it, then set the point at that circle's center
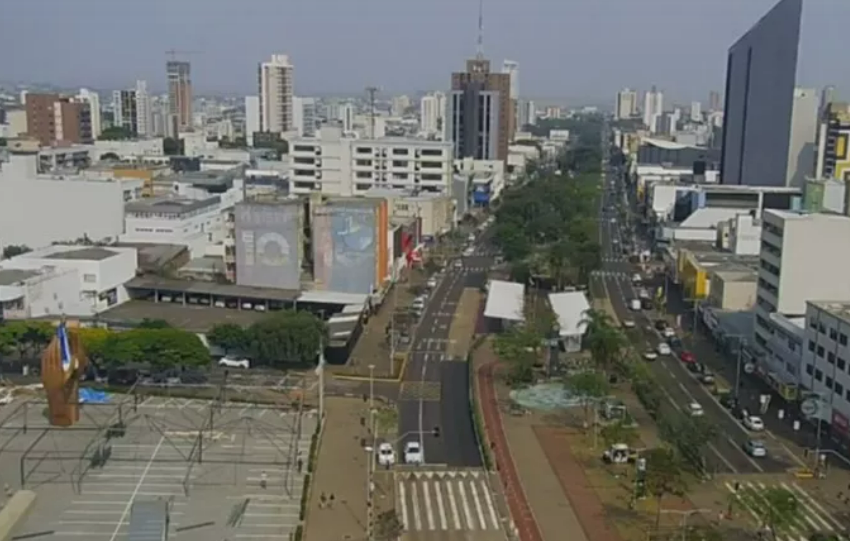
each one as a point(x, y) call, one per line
point(422, 412)
point(679, 386)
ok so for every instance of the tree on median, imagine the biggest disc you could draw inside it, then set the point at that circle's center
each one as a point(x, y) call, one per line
point(229, 337)
point(286, 337)
point(159, 348)
point(519, 347)
point(591, 386)
point(665, 476)
point(604, 341)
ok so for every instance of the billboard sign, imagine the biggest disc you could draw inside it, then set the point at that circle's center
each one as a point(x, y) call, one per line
point(346, 248)
point(268, 245)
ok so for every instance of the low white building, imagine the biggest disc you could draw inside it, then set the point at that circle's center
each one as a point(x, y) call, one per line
point(825, 369)
point(130, 149)
point(803, 257)
point(740, 234)
point(571, 308)
point(37, 210)
point(334, 164)
point(69, 280)
point(195, 224)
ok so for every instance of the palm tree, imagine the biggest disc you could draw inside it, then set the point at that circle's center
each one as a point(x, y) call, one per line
point(602, 339)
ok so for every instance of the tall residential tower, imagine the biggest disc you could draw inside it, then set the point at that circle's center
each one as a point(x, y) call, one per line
point(275, 79)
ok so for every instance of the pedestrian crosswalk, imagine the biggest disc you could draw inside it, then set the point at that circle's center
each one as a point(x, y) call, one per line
point(617, 275)
point(446, 500)
point(811, 518)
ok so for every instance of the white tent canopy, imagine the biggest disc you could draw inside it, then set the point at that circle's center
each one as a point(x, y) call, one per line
point(505, 300)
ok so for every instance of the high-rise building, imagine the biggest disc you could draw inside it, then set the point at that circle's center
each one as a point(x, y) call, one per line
point(802, 140)
point(530, 113)
point(479, 110)
point(761, 72)
point(626, 104)
point(713, 101)
point(179, 97)
point(827, 96)
point(276, 87)
point(511, 68)
point(696, 111)
point(304, 116)
point(653, 106)
point(143, 109)
point(252, 118)
point(399, 105)
point(346, 116)
point(52, 119)
point(833, 157)
point(430, 115)
point(124, 111)
point(93, 99)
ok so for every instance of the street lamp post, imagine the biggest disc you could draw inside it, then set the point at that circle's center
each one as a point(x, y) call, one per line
point(685, 516)
point(370, 464)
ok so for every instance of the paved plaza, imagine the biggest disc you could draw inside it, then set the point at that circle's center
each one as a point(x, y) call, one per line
point(206, 460)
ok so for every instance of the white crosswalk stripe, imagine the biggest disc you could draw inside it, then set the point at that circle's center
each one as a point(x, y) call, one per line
point(813, 517)
point(446, 500)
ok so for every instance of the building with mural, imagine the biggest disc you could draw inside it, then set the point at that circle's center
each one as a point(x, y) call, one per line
point(350, 244)
point(269, 243)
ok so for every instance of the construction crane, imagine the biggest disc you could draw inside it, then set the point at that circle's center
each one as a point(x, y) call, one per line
point(172, 53)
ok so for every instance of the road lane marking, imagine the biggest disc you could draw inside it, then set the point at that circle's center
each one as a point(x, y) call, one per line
point(402, 497)
point(453, 506)
point(417, 518)
point(492, 508)
point(478, 510)
point(429, 512)
point(440, 508)
point(137, 489)
point(465, 503)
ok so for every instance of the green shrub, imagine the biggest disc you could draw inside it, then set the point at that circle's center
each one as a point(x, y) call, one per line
point(305, 496)
point(311, 459)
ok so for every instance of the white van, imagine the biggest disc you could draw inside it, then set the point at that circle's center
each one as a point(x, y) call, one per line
point(635, 305)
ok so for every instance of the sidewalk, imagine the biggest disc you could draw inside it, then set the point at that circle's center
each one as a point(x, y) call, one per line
point(341, 471)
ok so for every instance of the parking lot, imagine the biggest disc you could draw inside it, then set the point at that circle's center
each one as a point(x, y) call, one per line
point(212, 480)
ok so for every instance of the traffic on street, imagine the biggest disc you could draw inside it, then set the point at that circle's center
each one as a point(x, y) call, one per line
point(742, 446)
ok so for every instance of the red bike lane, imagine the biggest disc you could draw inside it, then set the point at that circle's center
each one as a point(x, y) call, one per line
point(520, 510)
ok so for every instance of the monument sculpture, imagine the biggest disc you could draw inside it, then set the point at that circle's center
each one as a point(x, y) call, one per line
point(62, 364)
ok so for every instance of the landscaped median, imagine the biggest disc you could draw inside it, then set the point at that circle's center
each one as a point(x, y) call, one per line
point(475, 404)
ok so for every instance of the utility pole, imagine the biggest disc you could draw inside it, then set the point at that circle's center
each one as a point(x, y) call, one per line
point(372, 90)
point(370, 466)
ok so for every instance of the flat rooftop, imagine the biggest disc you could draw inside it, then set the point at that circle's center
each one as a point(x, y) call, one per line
point(10, 277)
point(838, 309)
point(505, 300)
point(209, 288)
point(170, 205)
point(83, 254)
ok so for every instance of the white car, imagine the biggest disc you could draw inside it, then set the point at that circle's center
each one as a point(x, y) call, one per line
point(628, 323)
point(664, 349)
point(695, 410)
point(469, 251)
point(413, 453)
point(636, 278)
point(458, 264)
point(668, 332)
point(432, 283)
point(755, 448)
point(233, 362)
point(470, 237)
point(418, 303)
point(386, 454)
point(650, 355)
point(754, 423)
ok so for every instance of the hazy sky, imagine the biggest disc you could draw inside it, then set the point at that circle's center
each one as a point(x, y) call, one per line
point(566, 48)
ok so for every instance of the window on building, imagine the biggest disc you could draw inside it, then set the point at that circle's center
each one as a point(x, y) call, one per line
point(833, 334)
point(821, 328)
point(811, 345)
point(842, 339)
point(842, 364)
point(89, 278)
point(819, 374)
point(821, 351)
point(839, 389)
point(399, 163)
point(810, 369)
point(828, 382)
point(830, 357)
point(813, 323)
point(400, 152)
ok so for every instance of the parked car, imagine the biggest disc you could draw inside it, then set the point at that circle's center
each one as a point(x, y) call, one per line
point(628, 323)
point(687, 357)
point(386, 454)
point(660, 324)
point(229, 361)
point(664, 349)
point(755, 448)
point(418, 303)
point(650, 355)
point(432, 283)
point(728, 401)
point(706, 378)
point(413, 453)
point(458, 264)
point(668, 332)
point(754, 423)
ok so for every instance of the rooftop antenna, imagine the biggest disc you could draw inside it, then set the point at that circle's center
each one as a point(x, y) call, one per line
point(479, 48)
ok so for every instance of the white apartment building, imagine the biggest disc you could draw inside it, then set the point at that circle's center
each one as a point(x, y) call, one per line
point(627, 105)
point(430, 115)
point(696, 111)
point(193, 223)
point(129, 150)
point(93, 99)
point(65, 280)
point(252, 118)
point(143, 109)
point(653, 106)
point(276, 87)
point(346, 116)
point(803, 257)
point(305, 118)
point(336, 165)
point(826, 360)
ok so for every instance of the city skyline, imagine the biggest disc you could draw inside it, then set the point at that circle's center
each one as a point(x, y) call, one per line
point(561, 35)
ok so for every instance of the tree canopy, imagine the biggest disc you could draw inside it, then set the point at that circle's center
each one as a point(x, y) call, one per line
point(13, 250)
point(281, 339)
point(158, 347)
point(25, 338)
point(115, 133)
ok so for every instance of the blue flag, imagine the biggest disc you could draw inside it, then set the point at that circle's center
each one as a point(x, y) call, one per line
point(64, 346)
